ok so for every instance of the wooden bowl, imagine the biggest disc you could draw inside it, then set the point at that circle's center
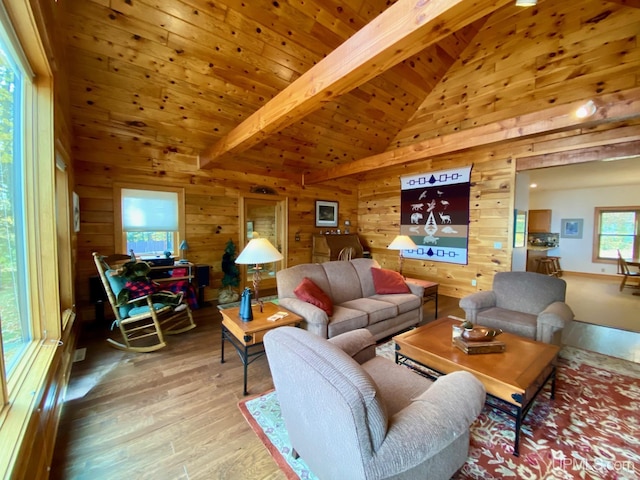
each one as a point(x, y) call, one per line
point(481, 334)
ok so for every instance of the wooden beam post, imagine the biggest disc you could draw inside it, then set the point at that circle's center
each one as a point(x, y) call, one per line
point(611, 108)
point(404, 29)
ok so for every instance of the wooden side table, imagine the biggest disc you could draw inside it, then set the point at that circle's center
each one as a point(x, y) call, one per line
point(246, 337)
point(430, 291)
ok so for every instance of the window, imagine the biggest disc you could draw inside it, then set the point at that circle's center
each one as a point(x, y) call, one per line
point(30, 314)
point(616, 229)
point(14, 310)
point(152, 222)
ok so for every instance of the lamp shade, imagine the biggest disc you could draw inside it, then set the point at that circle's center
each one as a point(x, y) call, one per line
point(258, 250)
point(184, 245)
point(402, 242)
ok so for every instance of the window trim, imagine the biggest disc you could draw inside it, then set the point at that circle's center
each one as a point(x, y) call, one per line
point(595, 258)
point(119, 240)
point(17, 399)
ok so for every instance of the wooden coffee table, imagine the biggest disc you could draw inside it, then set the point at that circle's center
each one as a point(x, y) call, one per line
point(246, 337)
point(512, 378)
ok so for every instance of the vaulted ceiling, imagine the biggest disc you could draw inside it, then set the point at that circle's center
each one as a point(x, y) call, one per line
point(185, 76)
point(179, 75)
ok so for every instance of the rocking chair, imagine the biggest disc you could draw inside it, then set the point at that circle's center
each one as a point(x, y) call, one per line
point(142, 326)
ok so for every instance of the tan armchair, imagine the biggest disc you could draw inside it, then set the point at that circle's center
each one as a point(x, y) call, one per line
point(528, 304)
point(351, 414)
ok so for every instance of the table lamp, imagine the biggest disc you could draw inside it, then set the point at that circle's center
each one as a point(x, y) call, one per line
point(257, 252)
point(402, 242)
point(184, 246)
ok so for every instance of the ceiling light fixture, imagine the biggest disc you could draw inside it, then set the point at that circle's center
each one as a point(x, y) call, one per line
point(533, 185)
point(526, 3)
point(586, 110)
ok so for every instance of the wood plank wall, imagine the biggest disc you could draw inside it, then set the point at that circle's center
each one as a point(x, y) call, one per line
point(552, 54)
point(212, 199)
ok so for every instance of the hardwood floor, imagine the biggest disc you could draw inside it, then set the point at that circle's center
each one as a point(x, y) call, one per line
point(173, 414)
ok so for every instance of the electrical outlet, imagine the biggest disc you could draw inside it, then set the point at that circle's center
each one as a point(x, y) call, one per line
point(474, 282)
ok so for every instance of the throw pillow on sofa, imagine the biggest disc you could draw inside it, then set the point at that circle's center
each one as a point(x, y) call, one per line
point(311, 293)
point(387, 281)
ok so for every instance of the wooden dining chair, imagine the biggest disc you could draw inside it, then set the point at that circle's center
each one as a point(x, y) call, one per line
point(623, 269)
point(346, 253)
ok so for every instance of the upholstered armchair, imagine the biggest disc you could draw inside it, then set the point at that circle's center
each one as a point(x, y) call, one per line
point(528, 304)
point(351, 414)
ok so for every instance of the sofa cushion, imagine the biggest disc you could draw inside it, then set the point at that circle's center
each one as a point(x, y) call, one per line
point(375, 309)
point(387, 281)
point(363, 269)
point(311, 293)
point(344, 281)
point(346, 319)
point(521, 324)
point(404, 301)
point(288, 279)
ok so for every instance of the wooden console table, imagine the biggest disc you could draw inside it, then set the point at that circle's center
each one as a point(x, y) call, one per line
point(430, 291)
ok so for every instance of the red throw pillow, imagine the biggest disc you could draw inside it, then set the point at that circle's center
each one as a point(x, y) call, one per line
point(313, 294)
point(388, 281)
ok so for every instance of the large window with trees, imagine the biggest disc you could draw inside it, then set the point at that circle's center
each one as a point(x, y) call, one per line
point(30, 313)
point(14, 310)
point(616, 229)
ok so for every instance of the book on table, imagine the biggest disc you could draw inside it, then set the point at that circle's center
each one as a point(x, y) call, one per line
point(473, 348)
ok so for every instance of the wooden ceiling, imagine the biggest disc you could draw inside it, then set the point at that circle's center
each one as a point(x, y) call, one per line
point(179, 75)
point(196, 78)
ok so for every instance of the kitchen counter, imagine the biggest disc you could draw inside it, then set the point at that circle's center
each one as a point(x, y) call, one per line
point(540, 249)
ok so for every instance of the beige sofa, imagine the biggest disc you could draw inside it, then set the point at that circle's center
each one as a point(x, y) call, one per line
point(350, 287)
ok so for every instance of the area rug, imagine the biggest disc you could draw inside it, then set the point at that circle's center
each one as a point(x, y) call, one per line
point(590, 431)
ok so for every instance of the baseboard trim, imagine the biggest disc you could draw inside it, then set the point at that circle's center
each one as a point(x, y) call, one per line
point(599, 276)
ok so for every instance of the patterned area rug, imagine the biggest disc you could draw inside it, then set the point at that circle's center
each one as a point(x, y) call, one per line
point(590, 431)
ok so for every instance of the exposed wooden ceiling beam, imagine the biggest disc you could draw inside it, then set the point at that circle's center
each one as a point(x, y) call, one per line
point(613, 107)
point(579, 155)
point(404, 29)
point(627, 3)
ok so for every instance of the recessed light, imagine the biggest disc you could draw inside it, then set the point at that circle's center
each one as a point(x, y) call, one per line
point(586, 110)
point(533, 185)
point(526, 3)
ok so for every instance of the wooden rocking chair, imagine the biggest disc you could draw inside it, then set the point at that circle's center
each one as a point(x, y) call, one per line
point(142, 327)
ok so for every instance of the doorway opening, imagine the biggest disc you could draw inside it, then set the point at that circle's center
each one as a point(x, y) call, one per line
point(267, 217)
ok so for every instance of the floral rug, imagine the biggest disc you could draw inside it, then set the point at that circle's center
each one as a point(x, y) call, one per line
point(590, 431)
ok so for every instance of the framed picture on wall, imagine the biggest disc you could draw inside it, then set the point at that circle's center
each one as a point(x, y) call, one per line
point(326, 213)
point(571, 227)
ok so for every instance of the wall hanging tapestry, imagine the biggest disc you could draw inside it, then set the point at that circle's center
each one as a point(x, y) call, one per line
point(435, 214)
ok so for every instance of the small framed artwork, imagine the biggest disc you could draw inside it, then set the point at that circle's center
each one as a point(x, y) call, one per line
point(520, 228)
point(76, 212)
point(571, 227)
point(249, 230)
point(326, 213)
